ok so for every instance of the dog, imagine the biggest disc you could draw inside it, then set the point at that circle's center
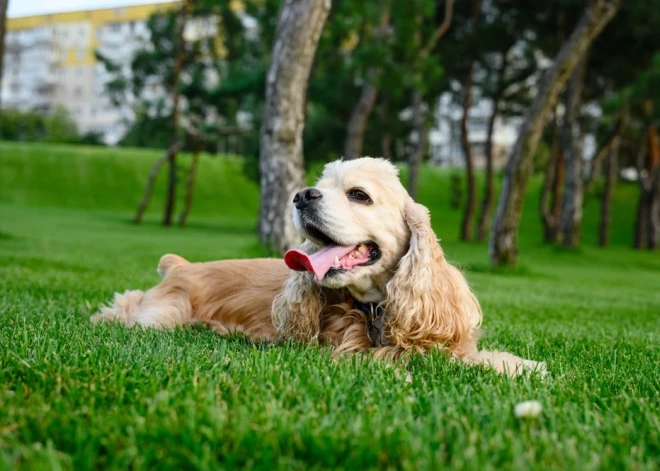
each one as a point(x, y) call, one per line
point(369, 277)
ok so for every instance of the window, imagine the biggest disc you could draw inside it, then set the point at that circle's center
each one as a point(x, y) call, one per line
point(81, 54)
point(77, 92)
point(65, 54)
point(478, 124)
point(115, 27)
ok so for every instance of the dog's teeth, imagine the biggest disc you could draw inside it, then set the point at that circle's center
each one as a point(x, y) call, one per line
point(336, 260)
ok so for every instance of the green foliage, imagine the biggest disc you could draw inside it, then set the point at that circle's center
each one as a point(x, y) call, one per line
point(542, 157)
point(221, 74)
point(77, 396)
point(91, 138)
point(149, 131)
point(32, 126)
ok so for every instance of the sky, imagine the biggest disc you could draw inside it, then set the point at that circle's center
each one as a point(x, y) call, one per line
point(39, 7)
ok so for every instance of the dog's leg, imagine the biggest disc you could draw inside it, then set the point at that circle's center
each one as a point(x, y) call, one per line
point(508, 363)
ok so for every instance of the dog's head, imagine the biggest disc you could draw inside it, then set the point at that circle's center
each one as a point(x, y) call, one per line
point(354, 220)
point(367, 237)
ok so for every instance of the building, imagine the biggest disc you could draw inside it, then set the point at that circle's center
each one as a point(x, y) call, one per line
point(50, 61)
point(445, 147)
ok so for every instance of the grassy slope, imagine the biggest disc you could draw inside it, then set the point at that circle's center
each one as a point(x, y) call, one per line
point(77, 397)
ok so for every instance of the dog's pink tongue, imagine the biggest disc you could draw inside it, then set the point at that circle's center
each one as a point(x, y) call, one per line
point(319, 263)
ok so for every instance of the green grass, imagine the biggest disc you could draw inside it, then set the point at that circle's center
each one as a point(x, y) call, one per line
point(75, 396)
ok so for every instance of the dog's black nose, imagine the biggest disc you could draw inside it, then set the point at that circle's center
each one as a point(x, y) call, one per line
point(304, 197)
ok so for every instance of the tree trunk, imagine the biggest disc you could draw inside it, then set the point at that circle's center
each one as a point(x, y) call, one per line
point(190, 183)
point(557, 193)
point(3, 26)
point(359, 117)
point(487, 202)
point(654, 211)
point(471, 197)
point(553, 183)
point(419, 123)
point(170, 199)
point(470, 186)
point(641, 222)
point(386, 145)
point(612, 140)
point(300, 23)
point(571, 216)
point(611, 169)
point(357, 125)
point(417, 156)
point(653, 185)
point(503, 246)
point(151, 180)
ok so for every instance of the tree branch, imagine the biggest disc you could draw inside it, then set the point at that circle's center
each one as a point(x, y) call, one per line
point(442, 29)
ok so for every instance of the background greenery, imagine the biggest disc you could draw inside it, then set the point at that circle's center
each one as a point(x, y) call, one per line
point(75, 396)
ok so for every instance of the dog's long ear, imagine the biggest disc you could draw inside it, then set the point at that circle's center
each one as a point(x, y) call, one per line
point(297, 308)
point(428, 300)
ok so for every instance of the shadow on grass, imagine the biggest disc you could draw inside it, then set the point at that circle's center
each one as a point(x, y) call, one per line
point(519, 270)
point(8, 236)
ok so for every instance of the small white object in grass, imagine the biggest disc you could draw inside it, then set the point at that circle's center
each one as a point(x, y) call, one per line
point(408, 378)
point(528, 409)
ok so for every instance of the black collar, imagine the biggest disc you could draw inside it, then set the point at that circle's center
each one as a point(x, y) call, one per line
point(375, 317)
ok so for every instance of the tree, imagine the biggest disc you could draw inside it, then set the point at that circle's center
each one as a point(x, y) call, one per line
point(471, 200)
point(190, 182)
point(299, 27)
point(496, 98)
point(3, 23)
point(178, 67)
point(364, 106)
point(647, 227)
point(488, 62)
point(553, 184)
point(503, 247)
point(420, 65)
point(183, 85)
point(570, 222)
point(606, 203)
point(611, 65)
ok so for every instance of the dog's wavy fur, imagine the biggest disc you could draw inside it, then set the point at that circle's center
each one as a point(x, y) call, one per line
point(428, 302)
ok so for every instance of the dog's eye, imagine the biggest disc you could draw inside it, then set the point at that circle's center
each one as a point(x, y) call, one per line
point(358, 196)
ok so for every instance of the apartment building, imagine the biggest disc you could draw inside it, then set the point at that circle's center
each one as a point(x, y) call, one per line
point(50, 61)
point(445, 147)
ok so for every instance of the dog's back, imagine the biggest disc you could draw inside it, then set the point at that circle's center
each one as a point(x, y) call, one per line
point(228, 296)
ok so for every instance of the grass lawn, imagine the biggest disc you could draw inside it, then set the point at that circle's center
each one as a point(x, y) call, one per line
point(77, 396)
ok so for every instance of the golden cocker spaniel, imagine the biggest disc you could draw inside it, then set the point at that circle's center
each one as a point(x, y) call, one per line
point(370, 275)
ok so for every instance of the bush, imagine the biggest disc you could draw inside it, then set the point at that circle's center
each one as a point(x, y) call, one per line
point(32, 126)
